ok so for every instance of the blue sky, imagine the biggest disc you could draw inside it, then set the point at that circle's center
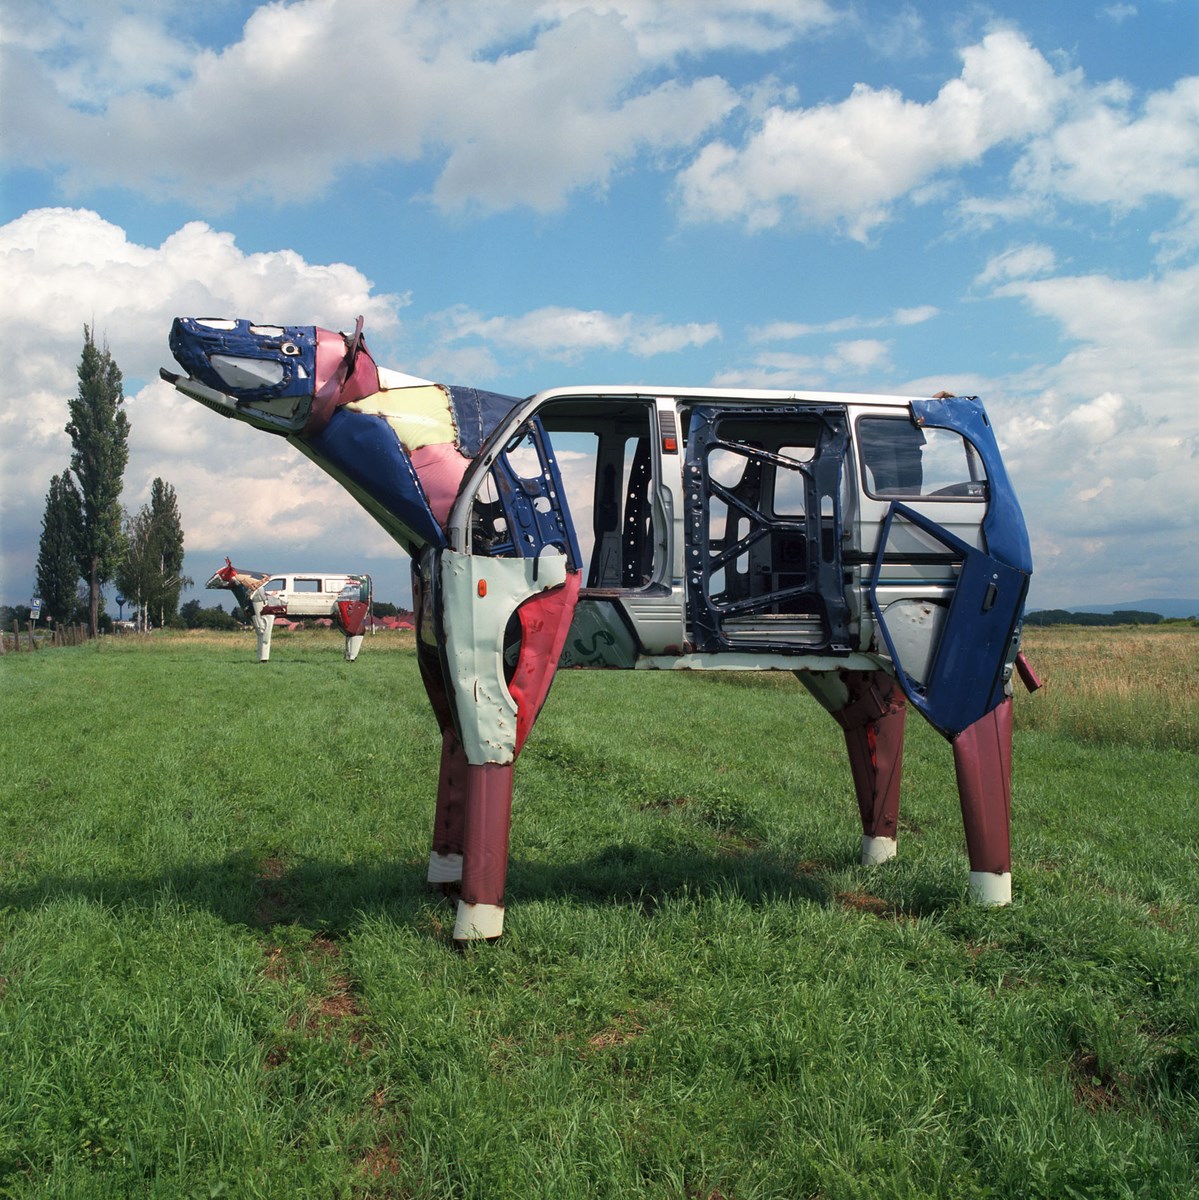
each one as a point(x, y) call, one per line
point(995, 199)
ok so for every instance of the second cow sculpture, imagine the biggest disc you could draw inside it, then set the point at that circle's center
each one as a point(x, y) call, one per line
point(263, 596)
point(871, 545)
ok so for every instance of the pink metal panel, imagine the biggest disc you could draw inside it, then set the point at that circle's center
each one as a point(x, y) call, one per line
point(440, 468)
point(544, 623)
point(336, 382)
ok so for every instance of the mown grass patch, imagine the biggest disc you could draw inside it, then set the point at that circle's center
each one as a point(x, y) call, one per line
point(221, 972)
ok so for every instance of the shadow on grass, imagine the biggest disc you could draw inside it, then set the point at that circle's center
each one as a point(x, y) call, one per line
point(263, 891)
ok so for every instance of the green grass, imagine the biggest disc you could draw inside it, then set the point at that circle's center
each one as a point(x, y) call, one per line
point(221, 973)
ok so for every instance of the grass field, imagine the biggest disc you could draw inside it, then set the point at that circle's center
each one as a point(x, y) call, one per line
point(221, 973)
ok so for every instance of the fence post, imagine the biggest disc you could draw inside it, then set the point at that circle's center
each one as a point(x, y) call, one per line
point(16, 635)
point(29, 630)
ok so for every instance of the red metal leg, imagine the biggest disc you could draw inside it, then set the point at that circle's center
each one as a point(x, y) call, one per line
point(873, 723)
point(449, 818)
point(485, 851)
point(982, 757)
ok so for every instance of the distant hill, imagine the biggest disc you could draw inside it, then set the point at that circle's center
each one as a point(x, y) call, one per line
point(1143, 612)
point(1167, 608)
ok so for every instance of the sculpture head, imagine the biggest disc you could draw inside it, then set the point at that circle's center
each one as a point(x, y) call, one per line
point(399, 444)
point(286, 378)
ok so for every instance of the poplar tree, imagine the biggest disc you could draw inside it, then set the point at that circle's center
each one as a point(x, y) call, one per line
point(99, 430)
point(168, 547)
point(58, 550)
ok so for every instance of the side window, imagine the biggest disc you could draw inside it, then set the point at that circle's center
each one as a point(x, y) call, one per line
point(274, 585)
point(905, 461)
point(306, 585)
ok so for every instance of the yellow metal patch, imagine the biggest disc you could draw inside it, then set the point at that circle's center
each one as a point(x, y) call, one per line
point(420, 415)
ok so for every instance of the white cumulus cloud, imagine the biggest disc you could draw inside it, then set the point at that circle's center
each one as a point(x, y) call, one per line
point(1017, 262)
point(1113, 153)
point(1104, 443)
point(567, 333)
point(846, 164)
point(311, 88)
point(786, 330)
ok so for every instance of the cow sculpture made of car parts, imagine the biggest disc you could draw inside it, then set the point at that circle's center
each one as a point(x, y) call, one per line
point(871, 545)
point(343, 599)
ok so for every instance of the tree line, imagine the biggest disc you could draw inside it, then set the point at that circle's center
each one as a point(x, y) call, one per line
point(86, 533)
point(1059, 616)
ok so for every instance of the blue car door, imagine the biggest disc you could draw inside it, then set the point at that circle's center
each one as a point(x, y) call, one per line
point(974, 644)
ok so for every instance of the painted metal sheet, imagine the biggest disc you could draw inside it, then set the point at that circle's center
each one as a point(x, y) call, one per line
point(476, 597)
point(965, 666)
point(364, 451)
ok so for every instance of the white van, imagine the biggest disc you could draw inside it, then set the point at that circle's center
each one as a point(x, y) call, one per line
point(312, 593)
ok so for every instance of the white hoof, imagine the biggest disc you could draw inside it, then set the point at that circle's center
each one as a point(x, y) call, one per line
point(353, 645)
point(478, 922)
point(877, 850)
point(992, 888)
point(444, 868)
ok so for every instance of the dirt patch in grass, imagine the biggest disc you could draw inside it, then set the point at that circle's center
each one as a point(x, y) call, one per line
point(618, 1034)
point(975, 950)
point(276, 964)
point(382, 1159)
point(339, 1004)
point(276, 1056)
point(864, 902)
point(331, 1010)
point(664, 803)
point(1096, 1090)
point(272, 905)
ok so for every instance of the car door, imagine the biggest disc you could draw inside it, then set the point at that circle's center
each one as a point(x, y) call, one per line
point(764, 528)
point(952, 641)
